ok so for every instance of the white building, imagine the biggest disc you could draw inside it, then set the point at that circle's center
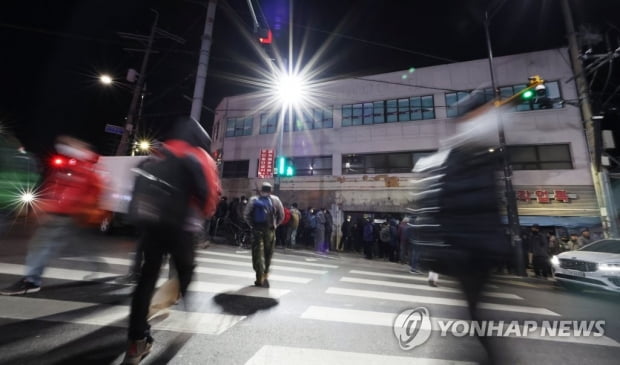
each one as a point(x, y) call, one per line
point(354, 151)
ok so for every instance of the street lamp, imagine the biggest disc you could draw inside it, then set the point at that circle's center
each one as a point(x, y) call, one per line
point(106, 79)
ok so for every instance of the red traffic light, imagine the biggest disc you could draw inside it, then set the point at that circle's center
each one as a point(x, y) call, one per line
point(268, 39)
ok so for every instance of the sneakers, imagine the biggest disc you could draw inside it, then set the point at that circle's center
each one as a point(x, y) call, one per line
point(20, 288)
point(432, 283)
point(137, 350)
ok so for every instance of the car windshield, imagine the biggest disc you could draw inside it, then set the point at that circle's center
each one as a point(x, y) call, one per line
point(608, 246)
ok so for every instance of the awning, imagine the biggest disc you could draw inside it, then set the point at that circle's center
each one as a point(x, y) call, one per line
point(568, 222)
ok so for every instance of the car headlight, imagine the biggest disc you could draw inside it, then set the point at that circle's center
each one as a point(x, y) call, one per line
point(555, 261)
point(609, 267)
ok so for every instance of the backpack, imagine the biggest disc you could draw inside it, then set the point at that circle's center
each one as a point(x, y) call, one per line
point(287, 217)
point(385, 235)
point(263, 210)
point(313, 222)
point(161, 193)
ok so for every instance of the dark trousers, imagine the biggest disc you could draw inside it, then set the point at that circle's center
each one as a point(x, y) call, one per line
point(156, 243)
point(541, 265)
point(368, 249)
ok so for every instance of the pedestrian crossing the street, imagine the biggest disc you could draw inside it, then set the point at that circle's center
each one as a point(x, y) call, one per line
point(340, 297)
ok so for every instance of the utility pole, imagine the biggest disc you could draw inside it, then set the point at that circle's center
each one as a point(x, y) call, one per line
point(509, 193)
point(203, 62)
point(137, 91)
point(599, 173)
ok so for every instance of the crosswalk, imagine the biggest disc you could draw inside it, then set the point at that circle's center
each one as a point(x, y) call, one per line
point(339, 296)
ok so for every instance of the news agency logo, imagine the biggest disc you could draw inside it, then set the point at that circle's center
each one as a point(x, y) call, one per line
point(413, 327)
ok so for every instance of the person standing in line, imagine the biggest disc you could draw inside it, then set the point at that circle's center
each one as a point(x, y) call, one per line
point(263, 213)
point(403, 240)
point(193, 172)
point(68, 192)
point(329, 228)
point(319, 232)
point(540, 251)
point(368, 237)
point(347, 235)
point(293, 225)
point(585, 238)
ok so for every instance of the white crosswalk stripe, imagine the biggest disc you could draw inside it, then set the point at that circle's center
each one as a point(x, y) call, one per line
point(284, 355)
point(436, 300)
point(24, 308)
point(387, 320)
point(247, 255)
point(347, 279)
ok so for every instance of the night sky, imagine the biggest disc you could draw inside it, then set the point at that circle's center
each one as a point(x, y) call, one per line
point(53, 51)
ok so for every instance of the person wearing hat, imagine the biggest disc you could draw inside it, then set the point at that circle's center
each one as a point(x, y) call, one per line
point(584, 239)
point(264, 212)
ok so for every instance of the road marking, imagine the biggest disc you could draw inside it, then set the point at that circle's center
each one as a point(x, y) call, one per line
point(424, 287)
point(196, 285)
point(273, 267)
point(437, 300)
point(25, 308)
point(285, 355)
point(410, 277)
point(127, 262)
point(387, 320)
point(57, 273)
point(397, 276)
point(210, 252)
point(206, 270)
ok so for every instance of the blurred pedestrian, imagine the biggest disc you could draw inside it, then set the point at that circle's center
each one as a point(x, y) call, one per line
point(264, 213)
point(71, 190)
point(329, 229)
point(293, 225)
point(347, 235)
point(183, 168)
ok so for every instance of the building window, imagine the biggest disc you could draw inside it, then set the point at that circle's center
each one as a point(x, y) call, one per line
point(391, 111)
point(312, 166)
point(378, 112)
point(459, 103)
point(317, 118)
point(239, 127)
point(268, 123)
point(381, 163)
point(236, 168)
point(541, 157)
point(395, 110)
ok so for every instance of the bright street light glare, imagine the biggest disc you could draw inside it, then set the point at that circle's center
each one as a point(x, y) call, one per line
point(105, 79)
point(290, 89)
point(27, 197)
point(144, 145)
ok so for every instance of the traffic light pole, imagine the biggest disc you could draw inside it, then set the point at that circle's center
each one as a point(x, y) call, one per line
point(137, 91)
point(511, 201)
point(599, 174)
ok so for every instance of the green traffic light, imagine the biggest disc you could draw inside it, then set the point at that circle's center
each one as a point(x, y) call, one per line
point(281, 165)
point(528, 94)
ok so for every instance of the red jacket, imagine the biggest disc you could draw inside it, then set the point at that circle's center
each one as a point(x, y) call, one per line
point(205, 170)
point(71, 189)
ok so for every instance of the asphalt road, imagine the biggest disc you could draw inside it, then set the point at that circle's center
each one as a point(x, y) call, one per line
point(333, 309)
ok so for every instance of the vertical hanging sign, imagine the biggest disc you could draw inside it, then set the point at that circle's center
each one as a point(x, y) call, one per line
point(265, 163)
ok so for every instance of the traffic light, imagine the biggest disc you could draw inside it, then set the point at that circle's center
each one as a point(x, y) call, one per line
point(285, 167)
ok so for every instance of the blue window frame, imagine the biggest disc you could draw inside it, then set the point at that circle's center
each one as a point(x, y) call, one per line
point(236, 127)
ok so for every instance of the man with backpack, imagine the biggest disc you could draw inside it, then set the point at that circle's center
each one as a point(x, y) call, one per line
point(173, 194)
point(264, 213)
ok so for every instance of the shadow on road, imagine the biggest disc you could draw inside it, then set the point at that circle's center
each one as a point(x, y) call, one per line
point(242, 304)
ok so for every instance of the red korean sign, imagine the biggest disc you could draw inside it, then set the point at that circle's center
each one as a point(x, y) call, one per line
point(265, 163)
point(544, 196)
